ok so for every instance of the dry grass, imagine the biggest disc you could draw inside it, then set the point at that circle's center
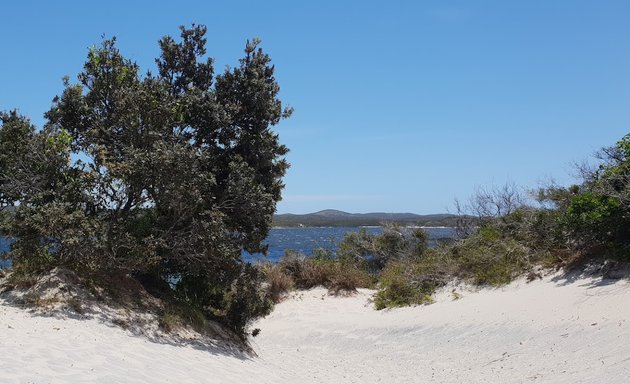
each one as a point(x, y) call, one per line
point(279, 282)
point(316, 274)
point(170, 322)
point(346, 280)
point(297, 271)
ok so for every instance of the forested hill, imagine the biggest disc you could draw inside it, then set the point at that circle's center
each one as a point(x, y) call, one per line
point(334, 218)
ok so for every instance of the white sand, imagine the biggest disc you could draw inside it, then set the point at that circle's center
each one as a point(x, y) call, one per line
point(546, 331)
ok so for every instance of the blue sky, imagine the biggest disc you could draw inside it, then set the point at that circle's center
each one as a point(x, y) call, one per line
point(400, 106)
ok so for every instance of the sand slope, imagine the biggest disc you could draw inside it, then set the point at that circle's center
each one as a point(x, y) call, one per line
point(549, 331)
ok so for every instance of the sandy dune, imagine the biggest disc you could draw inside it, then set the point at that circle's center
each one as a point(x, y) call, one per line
point(549, 331)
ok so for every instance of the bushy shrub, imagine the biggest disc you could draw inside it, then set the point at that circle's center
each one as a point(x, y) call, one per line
point(307, 272)
point(372, 252)
point(279, 282)
point(323, 270)
point(404, 283)
point(345, 280)
point(491, 256)
point(357, 249)
point(315, 274)
point(292, 263)
point(486, 258)
point(243, 300)
point(505, 237)
point(594, 220)
point(596, 217)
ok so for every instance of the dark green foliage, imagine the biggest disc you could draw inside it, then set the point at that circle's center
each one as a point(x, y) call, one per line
point(35, 173)
point(593, 219)
point(372, 252)
point(596, 219)
point(170, 174)
point(16, 142)
point(596, 215)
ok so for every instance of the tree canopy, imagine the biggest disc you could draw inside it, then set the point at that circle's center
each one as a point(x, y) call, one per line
point(170, 174)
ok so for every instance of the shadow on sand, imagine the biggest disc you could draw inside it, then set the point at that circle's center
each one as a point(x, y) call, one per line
point(593, 274)
point(59, 296)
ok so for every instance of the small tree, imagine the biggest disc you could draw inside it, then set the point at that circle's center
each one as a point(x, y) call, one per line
point(169, 174)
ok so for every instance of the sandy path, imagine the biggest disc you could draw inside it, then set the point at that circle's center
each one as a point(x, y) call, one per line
point(537, 332)
point(546, 331)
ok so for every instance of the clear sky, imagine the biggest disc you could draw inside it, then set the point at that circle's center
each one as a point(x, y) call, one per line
point(400, 106)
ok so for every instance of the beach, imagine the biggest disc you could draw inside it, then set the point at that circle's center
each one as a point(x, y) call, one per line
point(559, 329)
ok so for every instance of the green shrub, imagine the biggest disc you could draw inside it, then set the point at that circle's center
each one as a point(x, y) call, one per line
point(398, 286)
point(322, 254)
point(582, 222)
point(356, 249)
point(372, 252)
point(488, 234)
point(595, 220)
point(496, 274)
point(490, 258)
point(236, 306)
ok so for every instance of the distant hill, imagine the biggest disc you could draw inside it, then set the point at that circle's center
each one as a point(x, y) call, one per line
point(334, 218)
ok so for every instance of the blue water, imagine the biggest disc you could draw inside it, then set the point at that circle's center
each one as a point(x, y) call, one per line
point(305, 240)
point(4, 247)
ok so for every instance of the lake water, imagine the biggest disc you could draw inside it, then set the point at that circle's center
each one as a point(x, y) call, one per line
point(307, 239)
point(304, 240)
point(4, 247)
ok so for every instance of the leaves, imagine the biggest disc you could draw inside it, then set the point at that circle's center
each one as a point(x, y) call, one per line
point(178, 171)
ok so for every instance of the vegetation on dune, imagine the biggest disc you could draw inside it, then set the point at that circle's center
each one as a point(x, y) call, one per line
point(166, 176)
point(508, 238)
point(358, 262)
point(503, 235)
point(296, 271)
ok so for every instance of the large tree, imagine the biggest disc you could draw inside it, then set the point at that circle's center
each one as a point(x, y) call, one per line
point(170, 174)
